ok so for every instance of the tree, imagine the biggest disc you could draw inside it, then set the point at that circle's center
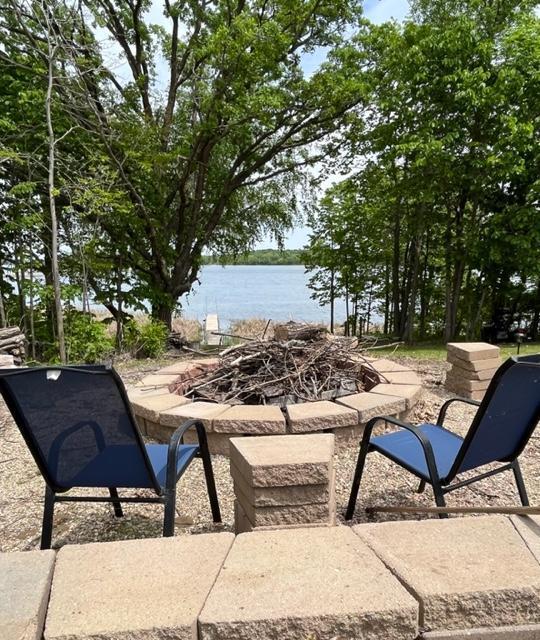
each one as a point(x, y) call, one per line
point(452, 139)
point(214, 159)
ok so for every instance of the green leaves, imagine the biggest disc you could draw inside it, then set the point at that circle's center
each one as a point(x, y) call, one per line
point(447, 159)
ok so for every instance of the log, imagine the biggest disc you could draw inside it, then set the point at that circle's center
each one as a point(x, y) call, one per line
point(12, 343)
point(8, 332)
point(519, 511)
point(295, 331)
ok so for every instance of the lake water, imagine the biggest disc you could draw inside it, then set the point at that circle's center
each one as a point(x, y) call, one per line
point(237, 292)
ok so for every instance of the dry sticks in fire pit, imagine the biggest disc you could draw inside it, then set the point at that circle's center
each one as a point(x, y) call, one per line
point(284, 372)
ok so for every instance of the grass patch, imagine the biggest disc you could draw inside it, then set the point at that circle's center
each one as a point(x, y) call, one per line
point(438, 351)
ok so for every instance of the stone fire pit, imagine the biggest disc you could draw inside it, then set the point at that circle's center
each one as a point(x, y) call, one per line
point(159, 412)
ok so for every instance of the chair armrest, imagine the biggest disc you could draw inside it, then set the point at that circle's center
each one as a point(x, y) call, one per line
point(444, 408)
point(176, 441)
point(424, 441)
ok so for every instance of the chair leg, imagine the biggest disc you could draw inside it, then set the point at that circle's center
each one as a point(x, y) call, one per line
point(439, 498)
point(364, 449)
point(170, 513)
point(48, 515)
point(210, 481)
point(520, 484)
point(116, 505)
point(421, 486)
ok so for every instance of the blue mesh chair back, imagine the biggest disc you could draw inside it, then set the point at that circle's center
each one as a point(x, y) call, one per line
point(79, 427)
point(506, 418)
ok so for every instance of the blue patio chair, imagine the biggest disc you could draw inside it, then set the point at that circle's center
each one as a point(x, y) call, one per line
point(501, 428)
point(78, 424)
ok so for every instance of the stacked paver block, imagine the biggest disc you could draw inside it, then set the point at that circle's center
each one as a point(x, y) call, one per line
point(306, 584)
point(473, 366)
point(456, 579)
point(283, 481)
point(25, 582)
point(466, 573)
point(135, 589)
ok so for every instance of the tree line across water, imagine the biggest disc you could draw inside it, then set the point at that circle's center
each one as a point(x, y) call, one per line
point(259, 257)
point(117, 181)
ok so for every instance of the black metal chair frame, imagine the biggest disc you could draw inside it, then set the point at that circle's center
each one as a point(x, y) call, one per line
point(166, 495)
point(442, 486)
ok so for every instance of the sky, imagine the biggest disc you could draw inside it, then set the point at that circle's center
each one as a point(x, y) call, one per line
point(377, 11)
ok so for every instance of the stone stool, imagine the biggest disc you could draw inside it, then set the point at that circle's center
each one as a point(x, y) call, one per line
point(473, 366)
point(283, 481)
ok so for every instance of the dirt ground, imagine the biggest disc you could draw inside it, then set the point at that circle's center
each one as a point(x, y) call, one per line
point(22, 487)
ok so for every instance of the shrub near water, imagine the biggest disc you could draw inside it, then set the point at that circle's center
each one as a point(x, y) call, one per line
point(86, 339)
point(146, 339)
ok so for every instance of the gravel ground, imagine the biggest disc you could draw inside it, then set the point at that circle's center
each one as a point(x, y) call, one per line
point(22, 488)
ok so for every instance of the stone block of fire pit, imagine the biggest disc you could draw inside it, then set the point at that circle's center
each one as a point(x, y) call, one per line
point(317, 416)
point(204, 411)
point(218, 443)
point(368, 405)
point(469, 375)
point(285, 480)
point(151, 407)
point(156, 380)
point(409, 392)
point(348, 438)
point(252, 419)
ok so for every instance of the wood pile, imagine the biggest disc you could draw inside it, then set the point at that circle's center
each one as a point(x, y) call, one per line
point(12, 342)
point(281, 372)
point(298, 331)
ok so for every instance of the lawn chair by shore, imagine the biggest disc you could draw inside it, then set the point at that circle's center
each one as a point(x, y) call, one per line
point(78, 424)
point(500, 430)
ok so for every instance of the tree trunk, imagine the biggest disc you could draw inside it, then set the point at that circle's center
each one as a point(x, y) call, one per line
point(408, 329)
point(386, 298)
point(369, 305)
point(32, 328)
point(425, 282)
point(347, 333)
point(3, 316)
point(119, 300)
point(396, 316)
point(19, 282)
point(163, 313)
point(405, 289)
point(332, 299)
point(52, 204)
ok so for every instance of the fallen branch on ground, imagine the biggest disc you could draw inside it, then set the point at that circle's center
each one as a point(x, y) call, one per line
point(523, 511)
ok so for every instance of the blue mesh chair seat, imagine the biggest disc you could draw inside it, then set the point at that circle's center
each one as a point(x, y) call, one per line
point(500, 430)
point(123, 459)
point(405, 449)
point(79, 427)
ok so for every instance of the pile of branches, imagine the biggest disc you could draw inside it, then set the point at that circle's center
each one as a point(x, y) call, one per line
point(284, 372)
point(12, 342)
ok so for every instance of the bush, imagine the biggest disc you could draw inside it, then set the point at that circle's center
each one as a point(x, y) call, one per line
point(146, 339)
point(86, 339)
